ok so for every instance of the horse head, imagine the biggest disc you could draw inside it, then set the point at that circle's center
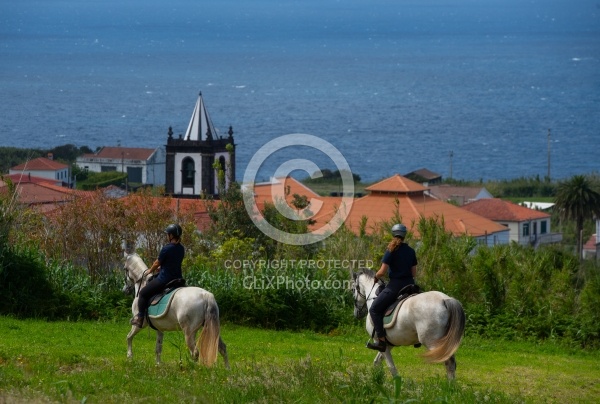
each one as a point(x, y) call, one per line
point(135, 271)
point(363, 285)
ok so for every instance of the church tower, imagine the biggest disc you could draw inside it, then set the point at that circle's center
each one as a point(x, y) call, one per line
point(191, 171)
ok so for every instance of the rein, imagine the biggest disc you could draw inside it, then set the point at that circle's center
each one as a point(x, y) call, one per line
point(140, 281)
point(366, 297)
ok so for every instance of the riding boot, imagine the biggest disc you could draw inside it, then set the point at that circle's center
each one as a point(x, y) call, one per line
point(378, 345)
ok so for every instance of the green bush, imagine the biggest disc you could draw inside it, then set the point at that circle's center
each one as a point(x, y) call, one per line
point(26, 291)
point(278, 298)
point(84, 298)
point(102, 180)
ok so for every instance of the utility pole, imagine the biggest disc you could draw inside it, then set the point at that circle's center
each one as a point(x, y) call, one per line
point(451, 155)
point(548, 154)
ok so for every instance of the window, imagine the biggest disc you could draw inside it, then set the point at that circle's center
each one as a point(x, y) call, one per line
point(134, 174)
point(543, 227)
point(187, 172)
point(525, 229)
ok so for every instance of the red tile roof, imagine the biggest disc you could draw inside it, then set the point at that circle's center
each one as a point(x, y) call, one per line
point(378, 208)
point(44, 196)
point(322, 208)
point(500, 210)
point(283, 188)
point(131, 153)
point(22, 178)
point(388, 197)
point(590, 245)
point(396, 184)
point(40, 164)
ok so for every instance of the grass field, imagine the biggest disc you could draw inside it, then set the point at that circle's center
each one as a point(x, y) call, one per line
point(86, 362)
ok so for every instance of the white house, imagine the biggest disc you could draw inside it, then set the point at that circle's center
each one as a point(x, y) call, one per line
point(527, 226)
point(143, 166)
point(44, 168)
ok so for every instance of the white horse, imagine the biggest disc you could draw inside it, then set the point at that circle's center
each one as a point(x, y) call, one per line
point(191, 308)
point(432, 319)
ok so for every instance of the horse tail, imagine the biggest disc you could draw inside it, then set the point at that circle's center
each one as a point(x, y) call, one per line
point(208, 343)
point(448, 344)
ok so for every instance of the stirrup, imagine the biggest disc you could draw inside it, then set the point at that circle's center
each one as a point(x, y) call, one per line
point(380, 346)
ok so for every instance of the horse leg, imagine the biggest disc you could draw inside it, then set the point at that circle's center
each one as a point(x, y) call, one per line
point(223, 352)
point(159, 344)
point(190, 340)
point(378, 359)
point(390, 361)
point(132, 333)
point(450, 368)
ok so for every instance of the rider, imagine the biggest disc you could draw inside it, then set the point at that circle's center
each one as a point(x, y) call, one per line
point(169, 261)
point(401, 262)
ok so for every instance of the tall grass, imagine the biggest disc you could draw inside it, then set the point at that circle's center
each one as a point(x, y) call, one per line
point(85, 362)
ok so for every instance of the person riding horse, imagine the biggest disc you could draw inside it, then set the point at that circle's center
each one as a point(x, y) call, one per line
point(401, 262)
point(169, 262)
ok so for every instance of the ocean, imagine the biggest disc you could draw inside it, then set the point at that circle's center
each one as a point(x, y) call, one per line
point(470, 89)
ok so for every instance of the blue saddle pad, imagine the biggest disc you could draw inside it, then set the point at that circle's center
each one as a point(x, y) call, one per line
point(157, 309)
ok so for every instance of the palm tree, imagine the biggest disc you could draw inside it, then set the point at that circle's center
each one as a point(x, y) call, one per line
point(578, 199)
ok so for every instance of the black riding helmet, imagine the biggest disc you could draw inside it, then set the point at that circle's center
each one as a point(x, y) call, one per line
point(174, 230)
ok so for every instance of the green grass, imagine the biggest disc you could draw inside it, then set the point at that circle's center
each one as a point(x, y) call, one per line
point(86, 361)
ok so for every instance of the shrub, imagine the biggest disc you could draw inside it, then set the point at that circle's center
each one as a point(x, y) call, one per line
point(26, 289)
point(278, 298)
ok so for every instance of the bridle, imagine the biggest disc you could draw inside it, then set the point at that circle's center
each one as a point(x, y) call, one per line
point(366, 298)
point(133, 281)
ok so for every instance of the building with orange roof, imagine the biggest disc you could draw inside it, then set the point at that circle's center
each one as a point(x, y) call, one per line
point(527, 226)
point(321, 209)
point(43, 167)
point(142, 165)
point(392, 196)
point(41, 194)
point(399, 196)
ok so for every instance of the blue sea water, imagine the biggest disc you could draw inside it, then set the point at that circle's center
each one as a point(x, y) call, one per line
point(394, 85)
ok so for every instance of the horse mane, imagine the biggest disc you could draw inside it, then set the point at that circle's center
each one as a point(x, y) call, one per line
point(369, 273)
point(136, 260)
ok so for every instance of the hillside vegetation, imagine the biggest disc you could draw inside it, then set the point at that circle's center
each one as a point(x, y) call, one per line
point(72, 259)
point(67, 266)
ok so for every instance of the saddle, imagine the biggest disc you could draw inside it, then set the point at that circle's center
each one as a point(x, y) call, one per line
point(159, 304)
point(169, 287)
point(391, 313)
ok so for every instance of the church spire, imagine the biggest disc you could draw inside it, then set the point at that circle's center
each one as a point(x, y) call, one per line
point(200, 124)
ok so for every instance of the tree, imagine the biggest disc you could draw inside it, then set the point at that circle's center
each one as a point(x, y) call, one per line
point(578, 199)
